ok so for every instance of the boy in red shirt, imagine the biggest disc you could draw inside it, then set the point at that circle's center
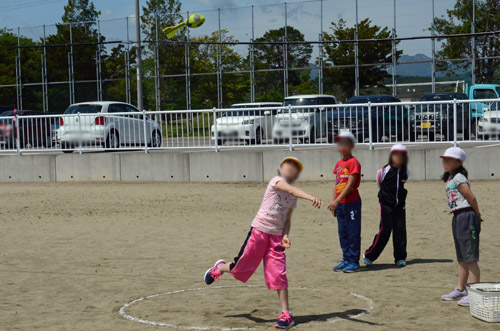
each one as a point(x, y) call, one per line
point(346, 205)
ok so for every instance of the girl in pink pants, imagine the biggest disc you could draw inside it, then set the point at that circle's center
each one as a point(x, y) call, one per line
point(268, 237)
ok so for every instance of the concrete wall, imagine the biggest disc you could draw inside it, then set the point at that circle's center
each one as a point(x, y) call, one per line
point(237, 166)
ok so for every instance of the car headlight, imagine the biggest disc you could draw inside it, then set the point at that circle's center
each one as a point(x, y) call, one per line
point(412, 117)
point(248, 122)
point(483, 120)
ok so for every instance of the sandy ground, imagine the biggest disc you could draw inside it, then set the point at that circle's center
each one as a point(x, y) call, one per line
point(72, 254)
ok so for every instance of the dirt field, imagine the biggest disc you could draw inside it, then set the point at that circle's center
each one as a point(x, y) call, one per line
point(72, 254)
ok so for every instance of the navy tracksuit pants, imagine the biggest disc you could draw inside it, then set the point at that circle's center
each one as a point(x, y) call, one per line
point(392, 220)
point(349, 221)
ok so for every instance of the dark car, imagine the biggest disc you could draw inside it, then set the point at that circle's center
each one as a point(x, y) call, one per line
point(436, 119)
point(32, 131)
point(386, 120)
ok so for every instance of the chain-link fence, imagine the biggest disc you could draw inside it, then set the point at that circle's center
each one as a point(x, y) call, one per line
point(246, 54)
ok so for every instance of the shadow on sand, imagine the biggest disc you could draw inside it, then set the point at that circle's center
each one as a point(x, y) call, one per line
point(304, 319)
point(378, 267)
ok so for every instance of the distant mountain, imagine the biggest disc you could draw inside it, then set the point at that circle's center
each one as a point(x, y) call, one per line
point(422, 68)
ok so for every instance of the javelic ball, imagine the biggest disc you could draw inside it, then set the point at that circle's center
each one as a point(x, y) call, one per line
point(195, 20)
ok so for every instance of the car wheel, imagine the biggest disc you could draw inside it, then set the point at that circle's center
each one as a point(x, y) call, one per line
point(220, 142)
point(312, 135)
point(156, 139)
point(67, 148)
point(473, 129)
point(413, 136)
point(486, 137)
point(48, 143)
point(258, 137)
point(113, 140)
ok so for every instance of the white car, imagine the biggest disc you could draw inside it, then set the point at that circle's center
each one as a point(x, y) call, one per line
point(489, 125)
point(249, 122)
point(307, 124)
point(97, 126)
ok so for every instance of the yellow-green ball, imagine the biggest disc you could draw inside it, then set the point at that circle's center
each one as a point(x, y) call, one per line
point(195, 20)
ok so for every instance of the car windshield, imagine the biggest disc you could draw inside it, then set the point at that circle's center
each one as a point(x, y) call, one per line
point(365, 100)
point(497, 89)
point(299, 102)
point(83, 109)
point(436, 97)
point(7, 114)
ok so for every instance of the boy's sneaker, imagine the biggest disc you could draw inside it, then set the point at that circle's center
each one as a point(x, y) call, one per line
point(341, 266)
point(464, 302)
point(352, 267)
point(454, 295)
point(367, 261)
point(285, 321)
point(213, 274)
point(401, 263)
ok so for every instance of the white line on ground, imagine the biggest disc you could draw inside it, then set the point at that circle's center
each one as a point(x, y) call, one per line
point(123, 313)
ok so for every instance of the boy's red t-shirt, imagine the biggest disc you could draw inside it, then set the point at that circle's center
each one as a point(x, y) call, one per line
point(344, 169)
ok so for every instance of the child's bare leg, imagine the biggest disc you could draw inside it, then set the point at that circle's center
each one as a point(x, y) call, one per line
point(225, 268)
point(283, 296)
point(463, 274)
point(474, 272)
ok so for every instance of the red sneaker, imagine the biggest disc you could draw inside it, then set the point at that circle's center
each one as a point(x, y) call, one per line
point(285, 321)
point(213, 274)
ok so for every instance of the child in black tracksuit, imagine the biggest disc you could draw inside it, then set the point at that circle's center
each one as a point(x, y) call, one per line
point(392, 198)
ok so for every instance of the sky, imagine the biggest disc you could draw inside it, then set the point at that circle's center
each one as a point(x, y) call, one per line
point(413, 17)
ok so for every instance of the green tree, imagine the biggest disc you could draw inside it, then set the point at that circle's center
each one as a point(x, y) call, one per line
point(171, 56)
point(31, 71)
point(271, 57)
point(82, 16)
point(340, 57)
point(204, 61)
point(458, 20)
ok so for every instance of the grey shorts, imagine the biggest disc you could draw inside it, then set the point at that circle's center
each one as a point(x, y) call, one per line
point(466, 228)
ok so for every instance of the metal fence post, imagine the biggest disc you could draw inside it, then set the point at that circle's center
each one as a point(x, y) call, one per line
point(216, 135)
point(290, 131)
point(455, 122)
point(18, 141)
point(146, 151)
point(370, 126)
point(79, 134)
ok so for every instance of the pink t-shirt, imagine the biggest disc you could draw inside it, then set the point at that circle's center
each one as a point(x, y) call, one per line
point(274, 209)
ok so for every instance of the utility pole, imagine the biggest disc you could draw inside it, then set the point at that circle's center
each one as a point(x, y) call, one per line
point(473, 43)
point(140, 104)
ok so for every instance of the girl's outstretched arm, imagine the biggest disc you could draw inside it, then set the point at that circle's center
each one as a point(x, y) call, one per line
point(298, 193)
point(471, 198)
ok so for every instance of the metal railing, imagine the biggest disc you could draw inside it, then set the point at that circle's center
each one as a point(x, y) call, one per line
point(451, 121)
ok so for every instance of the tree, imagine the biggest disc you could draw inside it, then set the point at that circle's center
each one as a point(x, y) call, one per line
point(271, 57)
point(487, 50)
point(204, 60)
point(340, 57)
point(171, 56)
point(30, 66)
point(82, 16)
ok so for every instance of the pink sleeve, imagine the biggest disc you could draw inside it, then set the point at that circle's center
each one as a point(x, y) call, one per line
point(275, 181)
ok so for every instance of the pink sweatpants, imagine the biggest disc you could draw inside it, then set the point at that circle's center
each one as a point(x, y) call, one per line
point(257, 247)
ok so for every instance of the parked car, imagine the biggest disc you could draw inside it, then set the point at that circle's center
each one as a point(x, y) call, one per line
point(438, 118)
point(307, 124)
point(252, 125)
point(387, 120)
point(489, 125)
point(98, 126)
point(33, 132)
